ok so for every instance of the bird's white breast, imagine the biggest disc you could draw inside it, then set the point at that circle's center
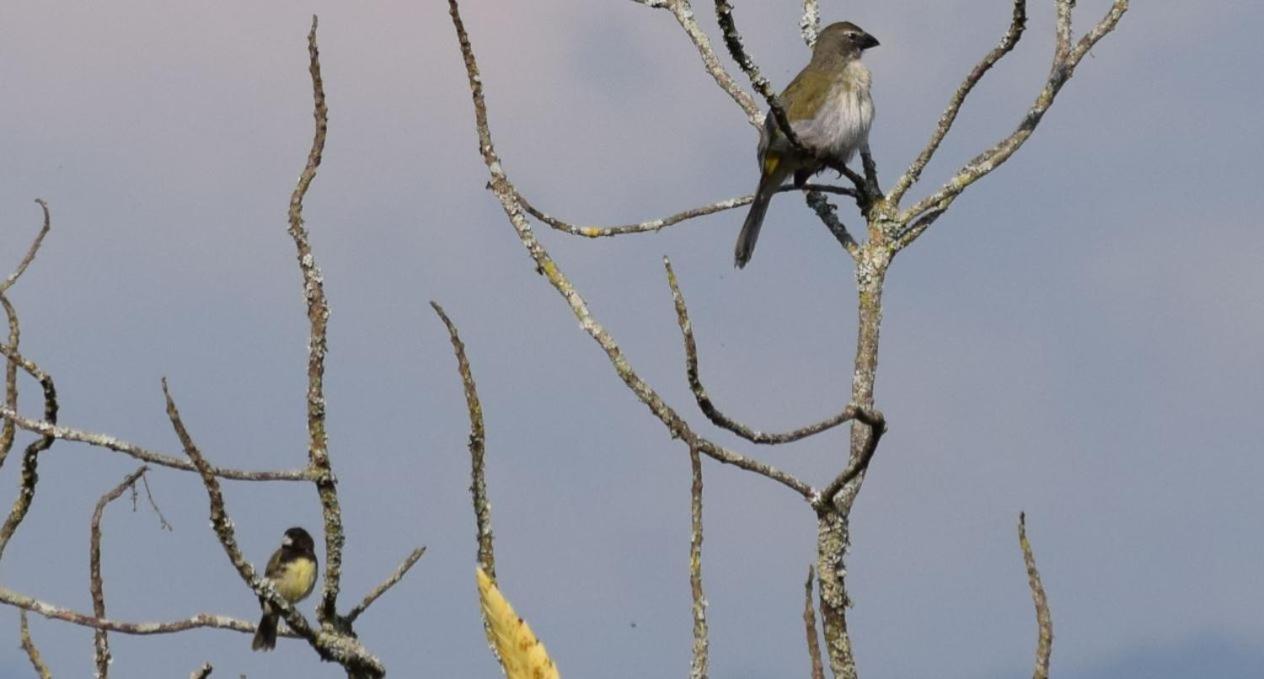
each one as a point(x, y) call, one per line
point(842, 125)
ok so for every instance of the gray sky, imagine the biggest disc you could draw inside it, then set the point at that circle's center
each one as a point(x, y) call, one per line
point(1079, 337)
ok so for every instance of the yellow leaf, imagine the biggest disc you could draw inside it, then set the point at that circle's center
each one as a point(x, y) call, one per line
point(521, 654)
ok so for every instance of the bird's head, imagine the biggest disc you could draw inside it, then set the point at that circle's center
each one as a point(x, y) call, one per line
point(843, 39)
point(299, 539)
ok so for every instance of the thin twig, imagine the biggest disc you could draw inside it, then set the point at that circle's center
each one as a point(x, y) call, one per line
point(1018, 22)
point(704, 400)
point(683, 12)
point(478, 481)
point(1044, 620)
point(32, 652)
point(386, 584)
point(506, 194)
point(162, 520)
point(655, 225)
point(202, 672)
point(809, 624)
point(698, 666)
point(100, 640)
point(145, 455)
point(318, 320)
point(30, 459)
point(30, 253)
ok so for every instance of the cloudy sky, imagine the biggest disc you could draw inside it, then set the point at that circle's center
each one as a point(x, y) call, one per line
point(1079, 338)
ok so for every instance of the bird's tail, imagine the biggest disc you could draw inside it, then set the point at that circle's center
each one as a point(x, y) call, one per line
point(266, 635)
point(769, 182)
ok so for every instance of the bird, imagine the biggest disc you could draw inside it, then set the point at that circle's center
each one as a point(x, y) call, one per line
point(292, 571)
point(830, 111)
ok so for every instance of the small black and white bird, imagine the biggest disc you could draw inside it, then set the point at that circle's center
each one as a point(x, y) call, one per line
point(292, 570)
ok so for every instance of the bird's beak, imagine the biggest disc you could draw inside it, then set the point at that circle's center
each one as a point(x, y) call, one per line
point(869, 41)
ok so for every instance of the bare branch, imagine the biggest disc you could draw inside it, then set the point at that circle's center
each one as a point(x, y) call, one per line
point(996, 156)
point(340, 648)
point(698, 666)
point(202, 672)
point(30, 459)
point(318, 319)
point(506, 194)
point(7, 430)
point(831, 549)
point(828, 214)
point(910, 233)
point(809, 623)
point(100, 642)
point(386, 584)
point(683, 12)
point(145, 455)
point(655, 225)
point(704, 400)
point(32, 652)
point(1044, 620)
point(877, 424)
point(478, 482)
point(1062, 34)
point(199, 621)
point(733, 41)
point(30, 253)
point(1018, 22)
point(162, 520)
point(810, 24)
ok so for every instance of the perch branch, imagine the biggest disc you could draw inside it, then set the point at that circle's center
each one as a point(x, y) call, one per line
point(202, 672)
point(829, 216)
point(654, 225)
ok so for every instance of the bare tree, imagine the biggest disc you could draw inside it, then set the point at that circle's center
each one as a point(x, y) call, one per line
point(889, 228)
